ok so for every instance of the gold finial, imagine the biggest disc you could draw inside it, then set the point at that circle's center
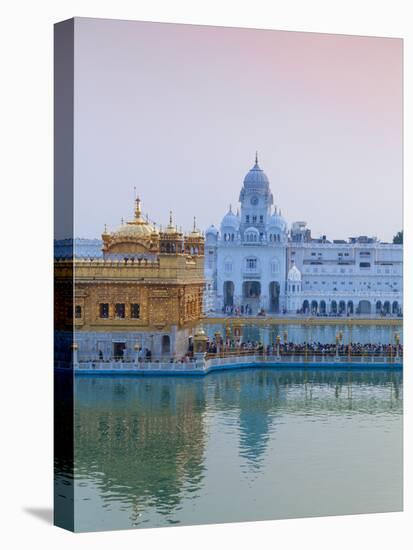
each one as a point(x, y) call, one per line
point(194, 223)
point(256, 157)
point(122, 221)
point(105, 229)
point(170, 217)
point(138, 208)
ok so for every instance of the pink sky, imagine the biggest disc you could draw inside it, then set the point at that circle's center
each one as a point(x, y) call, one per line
point(178, 111)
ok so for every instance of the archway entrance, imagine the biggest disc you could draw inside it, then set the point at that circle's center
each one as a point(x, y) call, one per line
point(251, 293)
point(322, 307)
point(228, 293)
point(274, 297)
point(364, 307)
point(119, 349)
point(166, 344)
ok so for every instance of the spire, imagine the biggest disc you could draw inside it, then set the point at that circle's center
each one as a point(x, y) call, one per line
point(170, 217)
point(138, 208)
point(256, 158)
point(230, 208)
point(194, 223)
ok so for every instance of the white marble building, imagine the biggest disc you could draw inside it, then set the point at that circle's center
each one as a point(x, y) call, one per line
point(254, 261)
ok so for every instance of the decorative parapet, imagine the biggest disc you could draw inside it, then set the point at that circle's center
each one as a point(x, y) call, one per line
point(204, 364)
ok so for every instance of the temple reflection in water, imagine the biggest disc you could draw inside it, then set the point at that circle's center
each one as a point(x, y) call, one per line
point(144, 447)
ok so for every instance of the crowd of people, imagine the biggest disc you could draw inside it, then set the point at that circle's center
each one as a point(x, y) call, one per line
point(251, 347)
point(239, 311)
point(313, 348)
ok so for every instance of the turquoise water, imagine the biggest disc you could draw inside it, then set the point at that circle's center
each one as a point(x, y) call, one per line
point(236, 446)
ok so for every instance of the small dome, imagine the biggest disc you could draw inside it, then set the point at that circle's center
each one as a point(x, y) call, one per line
point(256, 178)
point(195, 233)
point(200, 332)
point(212, 230)
point(230, 220)
point(277, 221)
point(294, 274)
point(171, 229)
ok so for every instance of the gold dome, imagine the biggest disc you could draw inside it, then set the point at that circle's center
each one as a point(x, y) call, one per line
point(195, 231)
point(133, 230)
point(137, 228)
point(170, 228)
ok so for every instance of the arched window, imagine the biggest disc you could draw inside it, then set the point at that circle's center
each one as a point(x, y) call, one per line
point(228, 265)
point(251, 235)
point(251, 264)
point(275, 266)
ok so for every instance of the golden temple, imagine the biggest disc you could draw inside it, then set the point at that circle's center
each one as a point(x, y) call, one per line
point(146, 280)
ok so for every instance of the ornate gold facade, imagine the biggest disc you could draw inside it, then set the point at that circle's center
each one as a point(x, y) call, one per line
point(146, 280)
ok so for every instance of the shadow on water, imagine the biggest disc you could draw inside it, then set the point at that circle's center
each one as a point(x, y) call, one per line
point(44, 514)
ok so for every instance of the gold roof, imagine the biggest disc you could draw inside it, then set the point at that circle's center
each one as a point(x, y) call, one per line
point(138, 227)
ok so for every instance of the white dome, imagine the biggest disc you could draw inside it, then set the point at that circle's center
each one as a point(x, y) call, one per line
point(294, 275)
point(230, 220)
point(277, 221)
point(256, 178)
point(212, 230)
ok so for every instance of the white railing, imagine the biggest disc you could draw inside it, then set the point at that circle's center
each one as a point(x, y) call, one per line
point(212, 363)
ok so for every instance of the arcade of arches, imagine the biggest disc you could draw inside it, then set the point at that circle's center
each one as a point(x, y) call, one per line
point(342, 307)
point(251, 297)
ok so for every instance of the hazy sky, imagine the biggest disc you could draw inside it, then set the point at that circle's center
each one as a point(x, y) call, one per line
point(179, 110)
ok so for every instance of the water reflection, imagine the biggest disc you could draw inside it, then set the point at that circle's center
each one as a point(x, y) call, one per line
point(141, 440)
point(154, 451)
